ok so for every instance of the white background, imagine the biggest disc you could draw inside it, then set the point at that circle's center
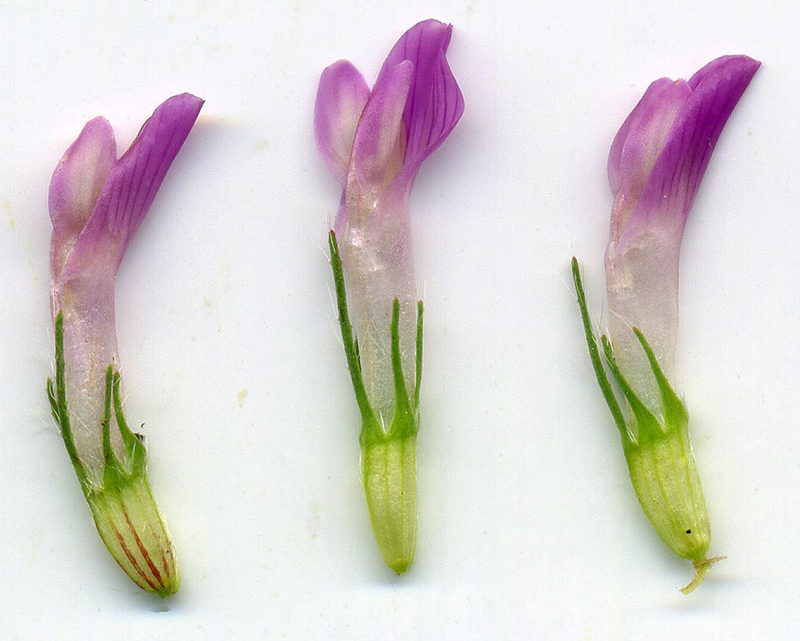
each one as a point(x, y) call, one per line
point(528, 525)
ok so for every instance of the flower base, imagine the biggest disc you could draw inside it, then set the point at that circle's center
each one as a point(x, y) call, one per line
point(122, 503)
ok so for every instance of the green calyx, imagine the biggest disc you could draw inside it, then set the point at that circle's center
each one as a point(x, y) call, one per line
point(648, 427)
point(125, 512)
point(388, 471)
point(657, 450)
point(405, 421)
point(388, 456)
point(117, 473)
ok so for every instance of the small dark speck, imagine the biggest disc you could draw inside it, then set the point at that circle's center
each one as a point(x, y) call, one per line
point(688, 531)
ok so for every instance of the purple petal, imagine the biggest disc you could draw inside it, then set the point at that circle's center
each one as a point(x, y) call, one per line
point(641, 138)
point(435, 103)
point(638, 144)
point(722, 66)
point(76, 184)
point(379, 145)
point(656, 164)
point(80, 174)
point(133, 182)
point(676, 176)
point(341, 97)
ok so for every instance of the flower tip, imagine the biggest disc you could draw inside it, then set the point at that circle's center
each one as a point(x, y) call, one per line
point(748, 61)
point(169, 588)
point(431, 24)
point(736, 67)
point(432, 28)
point(340, 67)
point(98, 124)
point(180, 110)
point(748, 66)
point(400, 566)
point(187, 98)
point(185, 103)
point(739, 59)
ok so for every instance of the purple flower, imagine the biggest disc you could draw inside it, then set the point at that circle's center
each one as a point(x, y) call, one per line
point(373, 143)
point(97, 203)
point(656, 163)
point(655, 167)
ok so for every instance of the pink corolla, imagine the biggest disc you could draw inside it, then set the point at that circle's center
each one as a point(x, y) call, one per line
point(97, 203)
point(373, 143)
point(656, 163)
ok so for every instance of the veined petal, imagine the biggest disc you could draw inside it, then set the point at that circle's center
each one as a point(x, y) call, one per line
point(132, 184)
point(676, 176)
point(641, 138)
point(435, 102)
point(379, 144)
point(76, 184)
point(638, 144)
point(744, 66)
point(416, 81)
point(656, 164)
point(341, 96)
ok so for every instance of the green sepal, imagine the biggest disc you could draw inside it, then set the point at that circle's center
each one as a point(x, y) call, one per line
point(369, 422)
point(594, 356)
point(117, 473)
point(405, 420)
point(648, 426)
point(674, 409)
point(58, 405)
point(418, 359)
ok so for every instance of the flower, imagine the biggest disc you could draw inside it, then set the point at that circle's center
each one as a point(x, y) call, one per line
point(656, 163)
point(655, 166)
point(373, 143)
point(97, 203)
